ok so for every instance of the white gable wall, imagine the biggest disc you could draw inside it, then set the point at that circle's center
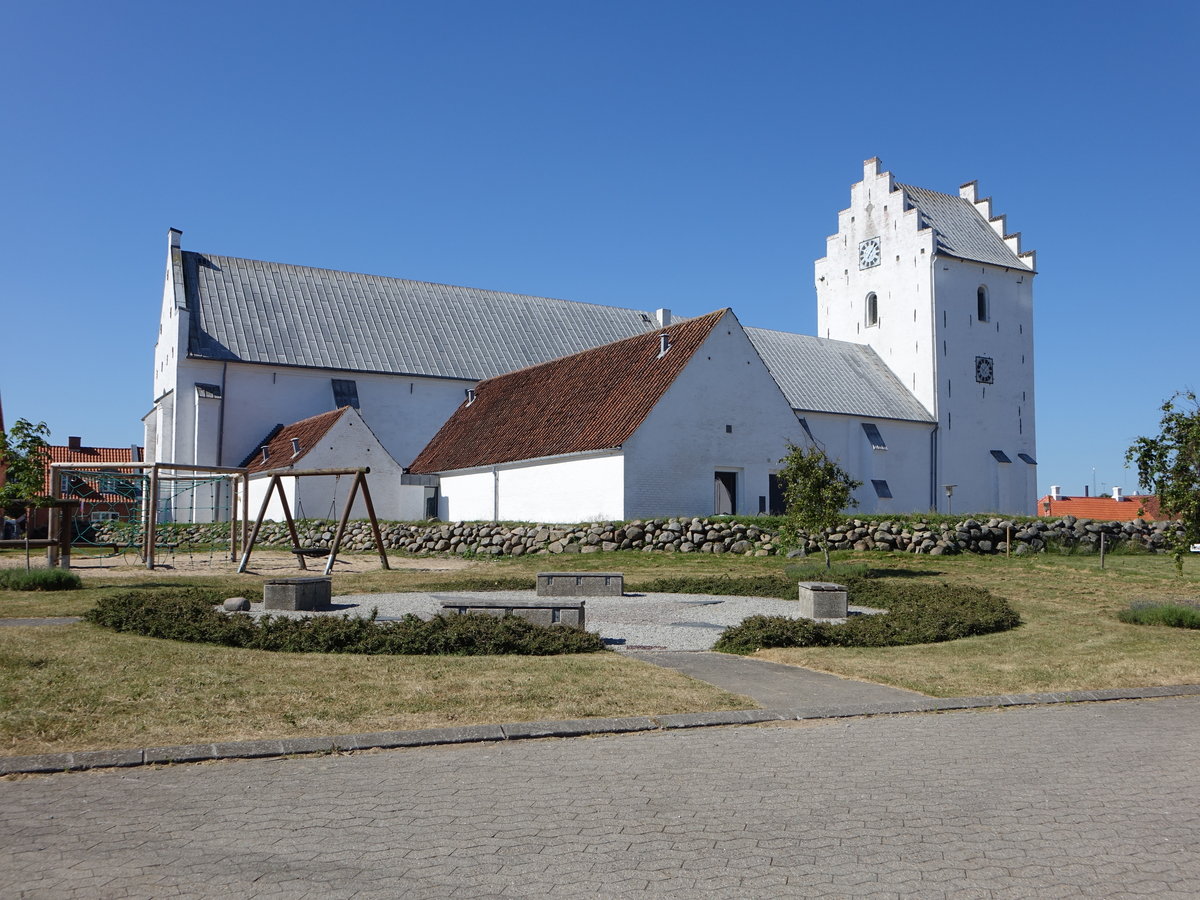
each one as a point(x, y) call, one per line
point(672, 458)
point(348, 444)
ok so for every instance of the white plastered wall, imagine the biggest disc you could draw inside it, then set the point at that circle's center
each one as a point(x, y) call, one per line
point(672, 458)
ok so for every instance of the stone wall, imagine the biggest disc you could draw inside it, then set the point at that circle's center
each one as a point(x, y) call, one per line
point(695, 535)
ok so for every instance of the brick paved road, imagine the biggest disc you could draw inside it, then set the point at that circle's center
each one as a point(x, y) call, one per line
point(1090, 799)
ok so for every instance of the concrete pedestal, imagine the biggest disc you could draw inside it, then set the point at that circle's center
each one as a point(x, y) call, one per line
point(580, 584)
point(822, 600)
point(297, 593)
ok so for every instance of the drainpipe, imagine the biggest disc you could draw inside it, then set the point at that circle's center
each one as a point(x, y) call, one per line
point(495, 493)
point(933, 485)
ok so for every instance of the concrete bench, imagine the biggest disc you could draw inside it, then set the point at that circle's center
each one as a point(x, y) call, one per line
point(297, 593)
point(580, 584)
point(539, 612)
point(822, 600)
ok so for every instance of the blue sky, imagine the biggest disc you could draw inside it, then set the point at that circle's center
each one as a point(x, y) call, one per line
point(691, 155)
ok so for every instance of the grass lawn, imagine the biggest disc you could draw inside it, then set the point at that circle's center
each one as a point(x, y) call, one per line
point(80, 687)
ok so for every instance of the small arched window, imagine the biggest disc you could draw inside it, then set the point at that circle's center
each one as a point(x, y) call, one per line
point(872, 312)
point(981, 304)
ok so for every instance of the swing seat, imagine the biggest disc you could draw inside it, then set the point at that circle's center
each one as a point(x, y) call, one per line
point(311, 551)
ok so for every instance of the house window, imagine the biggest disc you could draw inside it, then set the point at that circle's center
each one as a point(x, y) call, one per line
point(881, 488)
point(104, 516)
point(872, 314)
point(981, 304)
point(873, 435)
point(345, 392)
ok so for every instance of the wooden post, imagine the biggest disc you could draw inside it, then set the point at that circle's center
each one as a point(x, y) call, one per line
point(1008, 541)
point(374, 523)
point(151, 518)
point(233, 527)
point(66, 516)
point(1102, 549)
point(337, 537)
point(245, 509)
point(257, 525)
point(291, 523)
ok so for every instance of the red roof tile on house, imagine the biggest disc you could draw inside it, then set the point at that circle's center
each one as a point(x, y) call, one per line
point(592, 400)
point(88, 457)
point(280, 452)
point(1101, 509)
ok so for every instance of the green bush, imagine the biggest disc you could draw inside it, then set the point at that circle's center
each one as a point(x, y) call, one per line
point(1172, 615)
point(189, 614)
point(39, 580)
point(916, 614)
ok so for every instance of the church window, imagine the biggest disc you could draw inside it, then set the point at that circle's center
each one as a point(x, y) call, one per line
point(873, 435)
point(1026, 458)
point(881, 488)
point(1000, 456)
point(345, 392)
point(981, 304)
point(872, 316)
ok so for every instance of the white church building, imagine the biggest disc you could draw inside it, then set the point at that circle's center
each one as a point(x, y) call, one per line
point(504, 406)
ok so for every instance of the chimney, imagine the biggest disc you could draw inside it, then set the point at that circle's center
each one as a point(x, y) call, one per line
point(74, 443)
point(173, 236)
point(1085, 490)
point(135, 453)
point(1055, 492)
point(663, 316)
point(1117, 494)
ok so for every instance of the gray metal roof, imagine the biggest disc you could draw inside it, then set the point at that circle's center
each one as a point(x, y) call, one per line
point(292, 315)
point(820, 375)
point(961, 230)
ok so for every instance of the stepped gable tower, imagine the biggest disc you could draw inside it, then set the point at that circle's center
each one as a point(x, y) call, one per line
point(941, 290)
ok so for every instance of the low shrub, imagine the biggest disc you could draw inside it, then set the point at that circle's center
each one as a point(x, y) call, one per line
point(39, 580)
point(779, 587)
point(916, 614)
point(1172, 615)
point(189, 614)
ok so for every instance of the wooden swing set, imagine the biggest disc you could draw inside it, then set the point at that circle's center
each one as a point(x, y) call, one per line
point(359, 483)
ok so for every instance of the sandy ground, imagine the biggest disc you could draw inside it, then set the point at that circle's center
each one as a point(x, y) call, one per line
point(262, 562)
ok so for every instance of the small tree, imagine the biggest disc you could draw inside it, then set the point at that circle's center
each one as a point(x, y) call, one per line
point(816, 492)
point(1169, 465)
point(24, 453)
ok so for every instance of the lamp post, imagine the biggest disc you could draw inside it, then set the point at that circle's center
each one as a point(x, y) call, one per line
point(949, 488)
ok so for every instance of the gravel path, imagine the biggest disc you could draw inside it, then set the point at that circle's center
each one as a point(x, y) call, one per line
point(631, 622)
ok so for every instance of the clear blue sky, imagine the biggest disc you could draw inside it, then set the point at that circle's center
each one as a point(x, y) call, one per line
point(691, 155)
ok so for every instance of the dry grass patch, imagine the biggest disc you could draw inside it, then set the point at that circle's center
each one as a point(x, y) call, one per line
point(80, 687)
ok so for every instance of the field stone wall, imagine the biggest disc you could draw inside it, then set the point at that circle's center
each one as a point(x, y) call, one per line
point(697, 535)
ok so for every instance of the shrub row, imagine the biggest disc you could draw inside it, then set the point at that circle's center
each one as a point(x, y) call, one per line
point(189, 614)
point(916, 614)
point(1172, 615)
point(39, 580)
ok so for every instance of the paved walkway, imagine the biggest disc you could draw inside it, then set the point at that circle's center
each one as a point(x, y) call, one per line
point(1067, 800)
point(774, 685)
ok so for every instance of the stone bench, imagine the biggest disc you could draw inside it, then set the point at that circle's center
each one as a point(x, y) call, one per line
point(297, 593)
point(539, 612)
point(580, 584)
point(822, 600)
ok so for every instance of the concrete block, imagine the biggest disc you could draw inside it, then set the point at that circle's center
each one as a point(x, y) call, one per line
point(822, 600)
point(580, 584)
point(297, 593)
point(540, 612)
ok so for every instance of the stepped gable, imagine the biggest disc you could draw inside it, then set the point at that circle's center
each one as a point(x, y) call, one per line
point(252, 311)
point(278, 441)
point(588, 401)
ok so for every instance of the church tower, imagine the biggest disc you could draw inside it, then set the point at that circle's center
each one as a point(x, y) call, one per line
point(936, 285)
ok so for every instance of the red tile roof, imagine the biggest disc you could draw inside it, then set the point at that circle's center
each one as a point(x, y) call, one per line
point(279, 441)
point(1101, 509)
point(592, 400)
point(90, 456)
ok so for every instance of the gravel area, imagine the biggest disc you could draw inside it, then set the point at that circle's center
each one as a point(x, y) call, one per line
point(631, 622)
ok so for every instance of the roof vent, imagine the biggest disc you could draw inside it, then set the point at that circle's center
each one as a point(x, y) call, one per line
point(295, 446)
point(266, 452)
point(664, 344)
point(470, 396)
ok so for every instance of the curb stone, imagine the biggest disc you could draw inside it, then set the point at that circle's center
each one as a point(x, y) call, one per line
point(49, 763)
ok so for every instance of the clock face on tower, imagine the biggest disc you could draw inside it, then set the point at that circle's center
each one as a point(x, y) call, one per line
point(868, 253)
point(983, 369)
